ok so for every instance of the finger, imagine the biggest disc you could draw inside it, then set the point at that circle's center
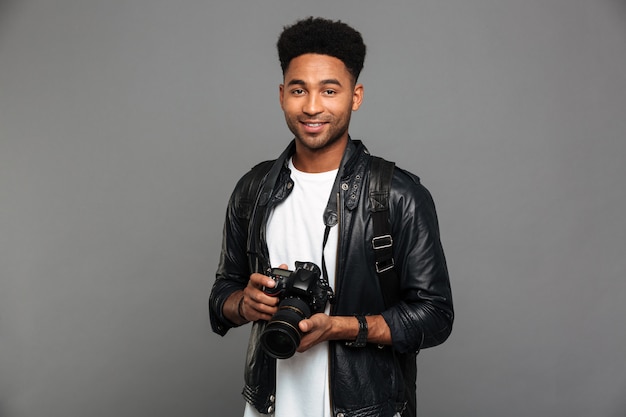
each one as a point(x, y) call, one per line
point(308, 340)
point(260, 281)
point(305, 325)
point(259, 299)
point(254, 311)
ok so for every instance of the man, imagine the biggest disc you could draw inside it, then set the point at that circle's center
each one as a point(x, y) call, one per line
point(312, 204)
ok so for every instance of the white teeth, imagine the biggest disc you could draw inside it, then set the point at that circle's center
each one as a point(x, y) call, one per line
point(313, 124)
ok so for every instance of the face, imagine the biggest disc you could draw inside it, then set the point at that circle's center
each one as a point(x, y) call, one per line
point(318, 97)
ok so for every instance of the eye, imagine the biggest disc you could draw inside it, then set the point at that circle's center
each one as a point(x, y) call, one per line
point(329, 92)
point(297, 92)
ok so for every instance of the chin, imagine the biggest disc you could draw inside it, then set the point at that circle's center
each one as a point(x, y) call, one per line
point(316, 143)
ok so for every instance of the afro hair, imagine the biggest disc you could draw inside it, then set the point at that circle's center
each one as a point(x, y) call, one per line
point(322, 36)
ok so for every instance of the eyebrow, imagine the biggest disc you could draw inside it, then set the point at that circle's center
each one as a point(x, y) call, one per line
point(323, 82)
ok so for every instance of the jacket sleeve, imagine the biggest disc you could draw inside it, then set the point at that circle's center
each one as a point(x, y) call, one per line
point(233, 270)
point(424, 315)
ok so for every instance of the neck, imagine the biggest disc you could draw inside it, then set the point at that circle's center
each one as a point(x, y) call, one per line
point(319, 160)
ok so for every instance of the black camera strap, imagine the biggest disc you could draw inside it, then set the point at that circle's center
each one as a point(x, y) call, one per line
point(381, 174)
point(324, 270)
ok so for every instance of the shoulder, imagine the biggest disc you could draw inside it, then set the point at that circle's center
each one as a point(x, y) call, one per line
point(406, 187)
point(402, 180)
point(245, 192)
point(256, 173)
point(411, 200)
point(408, 191)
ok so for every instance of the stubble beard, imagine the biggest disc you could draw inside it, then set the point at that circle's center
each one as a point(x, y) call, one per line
point(320, 141)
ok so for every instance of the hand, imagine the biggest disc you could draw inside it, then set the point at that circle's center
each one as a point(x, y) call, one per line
point(321, 327)
point(257, 305)
point(316, 329)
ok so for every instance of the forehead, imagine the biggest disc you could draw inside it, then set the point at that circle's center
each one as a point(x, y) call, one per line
point(311, 67)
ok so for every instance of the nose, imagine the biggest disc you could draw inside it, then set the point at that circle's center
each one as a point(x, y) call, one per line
point(312, 105)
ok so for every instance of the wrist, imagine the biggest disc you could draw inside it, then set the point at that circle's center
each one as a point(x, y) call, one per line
point(239, 309)
point(233, 309)
point(361, 337)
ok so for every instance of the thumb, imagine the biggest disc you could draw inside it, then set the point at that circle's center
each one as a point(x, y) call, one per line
point(305, 325)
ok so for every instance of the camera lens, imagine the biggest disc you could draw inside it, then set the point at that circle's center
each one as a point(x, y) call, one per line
point(281, 336)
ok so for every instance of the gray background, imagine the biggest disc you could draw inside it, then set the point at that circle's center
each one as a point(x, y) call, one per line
point(124, 126)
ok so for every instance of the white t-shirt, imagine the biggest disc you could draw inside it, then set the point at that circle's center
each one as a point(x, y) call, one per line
point(295, 232)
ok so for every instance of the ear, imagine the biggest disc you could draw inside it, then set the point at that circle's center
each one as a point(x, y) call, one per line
point(281, 90)
point(357, 97)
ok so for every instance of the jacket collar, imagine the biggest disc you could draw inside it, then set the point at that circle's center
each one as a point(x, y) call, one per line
point(348, 180)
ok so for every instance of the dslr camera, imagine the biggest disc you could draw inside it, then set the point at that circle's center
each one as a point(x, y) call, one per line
point(303, 292)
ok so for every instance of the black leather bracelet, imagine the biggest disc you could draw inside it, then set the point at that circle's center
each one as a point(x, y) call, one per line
point(361, 337)
point(239, 304)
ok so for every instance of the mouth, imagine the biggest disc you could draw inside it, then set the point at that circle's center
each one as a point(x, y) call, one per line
point(313, 127)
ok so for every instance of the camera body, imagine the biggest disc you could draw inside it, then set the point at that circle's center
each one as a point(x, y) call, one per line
point(303, 292)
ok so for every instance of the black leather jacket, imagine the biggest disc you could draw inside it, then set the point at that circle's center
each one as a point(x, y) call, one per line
point(370, 381)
